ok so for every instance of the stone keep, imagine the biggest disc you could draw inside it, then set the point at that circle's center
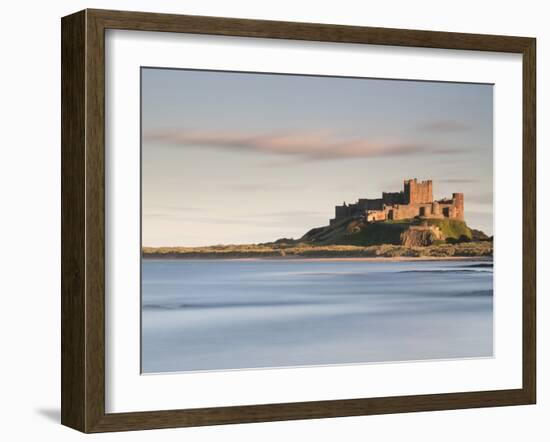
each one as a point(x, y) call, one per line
point(414, 201)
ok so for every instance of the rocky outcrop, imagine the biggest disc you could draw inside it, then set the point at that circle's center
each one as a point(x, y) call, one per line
point(420, 236)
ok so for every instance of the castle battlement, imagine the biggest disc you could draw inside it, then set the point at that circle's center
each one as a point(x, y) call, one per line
point(414, 201)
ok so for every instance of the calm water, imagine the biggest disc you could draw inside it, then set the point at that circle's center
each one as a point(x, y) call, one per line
point(228, 314)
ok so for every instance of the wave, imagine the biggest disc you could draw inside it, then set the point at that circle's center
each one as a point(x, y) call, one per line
point(225, 305)
point(474, 293)
point(445, 271)
point(483, 265)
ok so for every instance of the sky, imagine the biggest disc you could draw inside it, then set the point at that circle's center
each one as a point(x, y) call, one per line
point(240, 158)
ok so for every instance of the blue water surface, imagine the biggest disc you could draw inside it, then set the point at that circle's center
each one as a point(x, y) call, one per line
point(235, 314)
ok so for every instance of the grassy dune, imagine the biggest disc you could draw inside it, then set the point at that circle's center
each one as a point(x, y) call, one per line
point(303, 250)
point(354, 232)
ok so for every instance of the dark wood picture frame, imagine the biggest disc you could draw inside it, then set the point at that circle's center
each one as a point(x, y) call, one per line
point(83, 220)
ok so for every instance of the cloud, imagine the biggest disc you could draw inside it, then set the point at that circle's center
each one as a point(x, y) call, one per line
point(458, 181)
point(260, 187)
point(482, 198)
point(291, 214)
point(317, 145)
point(259, 219)
point(171, 211)
point(443, 126)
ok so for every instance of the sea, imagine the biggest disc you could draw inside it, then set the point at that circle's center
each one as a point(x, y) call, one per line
point(209, 314)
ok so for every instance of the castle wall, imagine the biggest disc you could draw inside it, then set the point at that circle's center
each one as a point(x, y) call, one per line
point(342, 211)
point(376, 215)
point(436, 209)
point(448, 210)
point(370, 204)
point(453, 208)
point(405, 211)
point(393, 198)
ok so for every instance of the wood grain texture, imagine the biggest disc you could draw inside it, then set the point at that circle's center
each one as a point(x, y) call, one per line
point(529, 220)
point(95, 222)
point(73, 128)
point(83, 220)
point(145, 21)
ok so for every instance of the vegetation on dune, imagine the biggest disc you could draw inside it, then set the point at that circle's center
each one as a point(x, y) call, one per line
point(375, 234)
point(304, 250)
point(452, 228)
point(355, 232)
point(478, 235)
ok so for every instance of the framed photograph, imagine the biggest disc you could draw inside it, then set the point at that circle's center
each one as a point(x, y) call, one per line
point(270, 220)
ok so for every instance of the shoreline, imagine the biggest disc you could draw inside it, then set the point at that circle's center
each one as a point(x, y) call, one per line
point(328, 258)
point(383, 252)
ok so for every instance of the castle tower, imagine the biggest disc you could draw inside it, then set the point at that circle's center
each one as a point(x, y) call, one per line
point(458, 202)
point(418, 192)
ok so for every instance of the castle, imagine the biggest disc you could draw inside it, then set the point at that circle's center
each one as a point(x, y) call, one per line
point(414, 201)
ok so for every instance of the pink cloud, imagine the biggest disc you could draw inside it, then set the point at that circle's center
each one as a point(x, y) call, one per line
point(311, 145)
